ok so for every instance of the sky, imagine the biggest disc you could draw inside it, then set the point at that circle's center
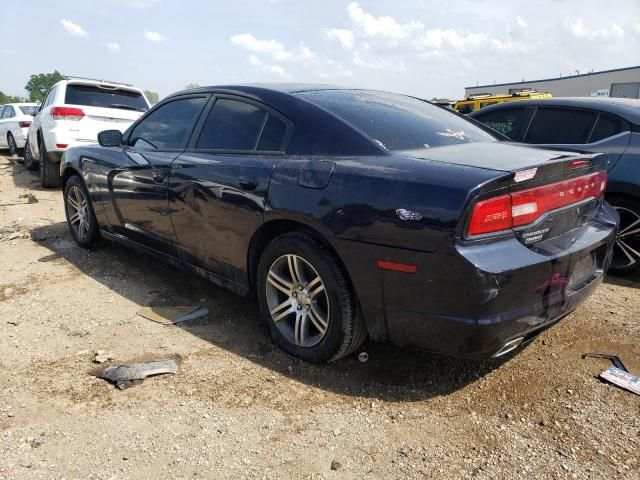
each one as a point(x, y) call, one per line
point(423, 48)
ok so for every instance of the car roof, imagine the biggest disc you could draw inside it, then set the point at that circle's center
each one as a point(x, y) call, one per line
point(627, 108)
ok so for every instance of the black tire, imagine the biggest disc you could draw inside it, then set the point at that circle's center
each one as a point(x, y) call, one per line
point(345, 330)
point(626, 253)
point(29, 162)
point(90, 236)
point(49, 171)
point(14, 151)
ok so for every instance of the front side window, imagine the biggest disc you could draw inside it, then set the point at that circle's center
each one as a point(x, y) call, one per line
point(398, 122)
point(169, 126)
point(560, 126)
point(505, 121)
point(239, 126)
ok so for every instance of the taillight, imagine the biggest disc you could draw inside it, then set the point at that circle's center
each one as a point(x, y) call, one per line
point(24, 124)
point(67, 113)
point(526, 206)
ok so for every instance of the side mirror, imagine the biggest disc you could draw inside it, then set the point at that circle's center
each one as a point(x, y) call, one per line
point(110, 138)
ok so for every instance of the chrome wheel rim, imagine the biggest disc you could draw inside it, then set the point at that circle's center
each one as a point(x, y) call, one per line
point(297, 300)
point(626, 252)
point(78, 211)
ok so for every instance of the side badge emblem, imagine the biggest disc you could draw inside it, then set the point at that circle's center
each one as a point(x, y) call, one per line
point(404, 214)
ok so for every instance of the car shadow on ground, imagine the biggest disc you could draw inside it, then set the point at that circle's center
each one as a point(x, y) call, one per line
point(392, 374)
point(22, 177)
point(631, 280)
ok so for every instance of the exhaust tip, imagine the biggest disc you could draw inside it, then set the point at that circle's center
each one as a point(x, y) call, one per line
point(509, 346)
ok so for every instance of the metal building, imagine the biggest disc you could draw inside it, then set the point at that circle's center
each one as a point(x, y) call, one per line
point(620, 82)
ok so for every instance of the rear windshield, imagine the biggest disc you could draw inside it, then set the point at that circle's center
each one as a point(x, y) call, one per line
point(94, 96)
point(398, 122)
point(29, 109)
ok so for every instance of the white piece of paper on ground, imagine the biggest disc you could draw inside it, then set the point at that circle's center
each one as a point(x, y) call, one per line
point(623, 379)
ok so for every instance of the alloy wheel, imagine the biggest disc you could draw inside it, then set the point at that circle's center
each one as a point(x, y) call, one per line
point(298, 301)
point(626, 253)
point(78, 210)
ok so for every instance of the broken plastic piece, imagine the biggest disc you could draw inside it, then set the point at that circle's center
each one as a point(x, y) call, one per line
point(622, 379)
point(173, 315)
point(125, 376)
point(614, 359)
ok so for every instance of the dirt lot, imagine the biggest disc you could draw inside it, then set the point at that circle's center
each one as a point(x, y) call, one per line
point(243, 409)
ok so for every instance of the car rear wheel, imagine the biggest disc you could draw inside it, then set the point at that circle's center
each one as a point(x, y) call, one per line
point(626, 253)
point(49, 171)
point(81, 218)
point(306, 299)
point(13, 148)
point(29, 162)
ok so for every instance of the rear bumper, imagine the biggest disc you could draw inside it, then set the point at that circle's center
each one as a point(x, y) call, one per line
point(470, 299)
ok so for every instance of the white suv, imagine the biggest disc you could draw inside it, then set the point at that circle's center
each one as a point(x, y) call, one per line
point(72, 114)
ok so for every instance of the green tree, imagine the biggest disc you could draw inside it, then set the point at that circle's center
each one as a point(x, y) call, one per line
point(191, 86)
point(151, 96)
point(39, 84)
point(4, 98)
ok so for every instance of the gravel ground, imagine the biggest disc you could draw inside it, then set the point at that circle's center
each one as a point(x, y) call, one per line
point(243, 409)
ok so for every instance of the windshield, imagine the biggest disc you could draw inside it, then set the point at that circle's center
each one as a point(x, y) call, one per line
point(95, 96)
point(29, 109)
point(398, 122)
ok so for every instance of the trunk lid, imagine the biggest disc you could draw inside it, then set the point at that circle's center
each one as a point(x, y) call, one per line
point(554, 188)
point(97, 119)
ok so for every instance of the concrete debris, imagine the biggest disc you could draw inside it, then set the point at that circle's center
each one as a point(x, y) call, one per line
point(102, 356)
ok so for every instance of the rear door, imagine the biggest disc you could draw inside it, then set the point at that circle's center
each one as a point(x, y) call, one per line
point(138, 181)
point(586, 130)
point(105, 107)
point(219, 186)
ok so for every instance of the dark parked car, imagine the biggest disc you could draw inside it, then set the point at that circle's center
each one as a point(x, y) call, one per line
point(352, 213)
point(607, 125)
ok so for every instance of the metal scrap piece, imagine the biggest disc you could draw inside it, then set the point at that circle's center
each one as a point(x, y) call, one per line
point(126, 375)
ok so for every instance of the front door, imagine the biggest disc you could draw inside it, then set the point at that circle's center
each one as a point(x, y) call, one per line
point(138, 189)
point(219, 186)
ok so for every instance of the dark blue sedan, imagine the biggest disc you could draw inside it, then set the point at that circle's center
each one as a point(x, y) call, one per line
point(352, 213)
point(607, 125)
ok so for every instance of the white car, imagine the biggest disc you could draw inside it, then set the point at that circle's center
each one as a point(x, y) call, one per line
point(72, 114)
point(15, 119)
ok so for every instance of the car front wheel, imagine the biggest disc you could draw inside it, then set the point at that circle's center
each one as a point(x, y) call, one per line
point(81, 218)
point(626, 253)
point(306, 299)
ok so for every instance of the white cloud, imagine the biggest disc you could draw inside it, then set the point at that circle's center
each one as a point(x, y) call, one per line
point(112, 46)
point(521, 22)
point(153, 36)
point(270, 47)
point(386, 26)
point(578, 30)
point(73, 28)
point(273, 69)
point(345, 37)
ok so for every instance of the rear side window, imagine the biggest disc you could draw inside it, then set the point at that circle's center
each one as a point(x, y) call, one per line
point(169, 126)
point(28, 109)
point(235, 125)
point(507, 121)
point(398, 122)
point(9, 112)
point(95, 96)
point(560, 126)
point(607, 126)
